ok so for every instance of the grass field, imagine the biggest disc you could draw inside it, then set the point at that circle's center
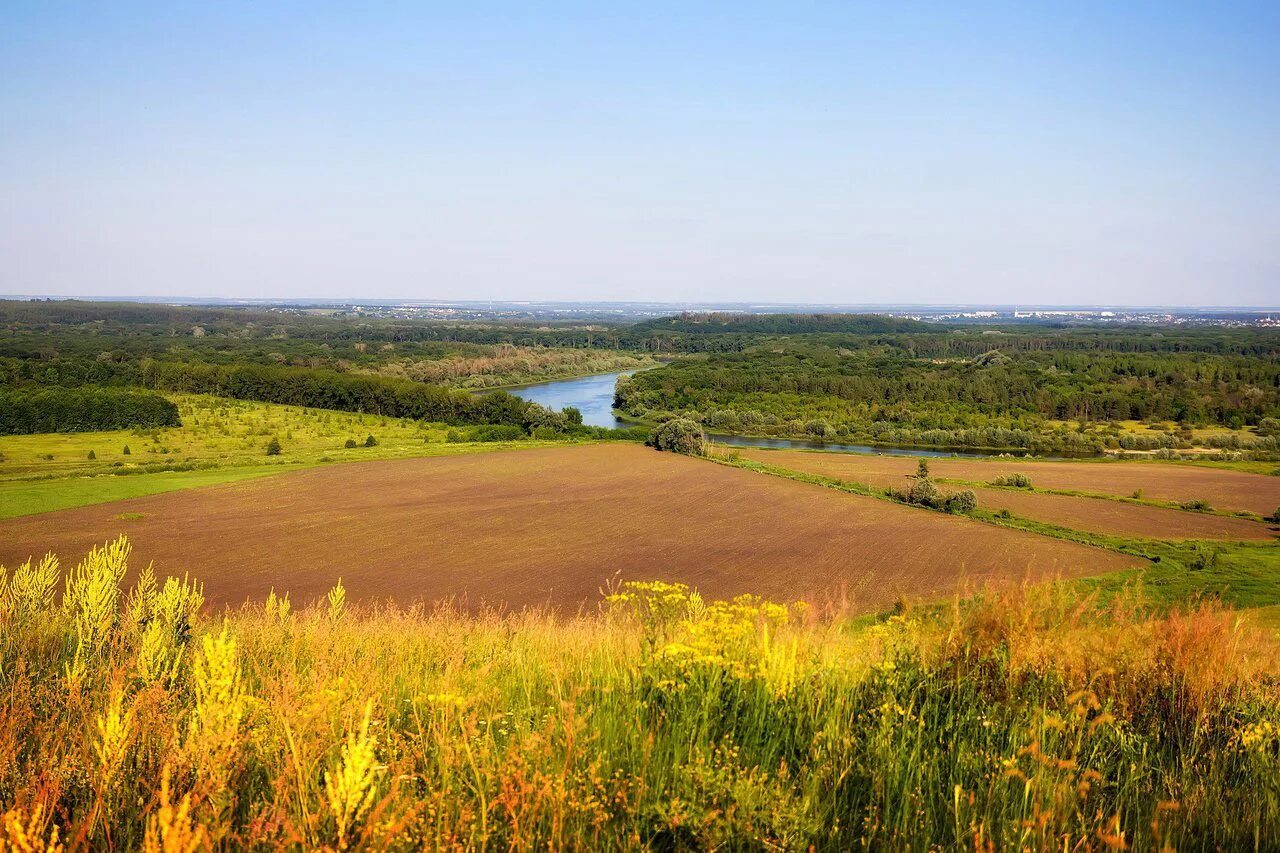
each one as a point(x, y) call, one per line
point(220, 440)
point(554, 525)
point(1029, 720)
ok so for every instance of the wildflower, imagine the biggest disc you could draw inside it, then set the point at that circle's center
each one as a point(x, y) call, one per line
point(337, 601)
point(173, 830)
point(351, 787)
point(20, 831)
point(220, 702)
point(93, 592)
point(30, 590)
point(113, 736)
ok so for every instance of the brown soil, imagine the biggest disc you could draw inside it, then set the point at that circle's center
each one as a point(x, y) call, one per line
point(1225, 490)
point(551, 526)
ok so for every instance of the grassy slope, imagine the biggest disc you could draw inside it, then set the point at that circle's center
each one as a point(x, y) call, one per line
point(220, 440)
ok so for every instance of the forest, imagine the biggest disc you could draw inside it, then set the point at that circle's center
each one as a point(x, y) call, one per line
point(868, 378)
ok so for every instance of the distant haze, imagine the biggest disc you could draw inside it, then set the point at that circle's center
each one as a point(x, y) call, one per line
point(1063, 153)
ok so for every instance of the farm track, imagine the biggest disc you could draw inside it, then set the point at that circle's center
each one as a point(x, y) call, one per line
point(550, 526)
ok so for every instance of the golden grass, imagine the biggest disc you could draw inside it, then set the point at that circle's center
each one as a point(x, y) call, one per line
point(1024, 720)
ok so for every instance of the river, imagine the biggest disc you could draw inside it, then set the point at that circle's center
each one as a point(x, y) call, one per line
point(593, 396)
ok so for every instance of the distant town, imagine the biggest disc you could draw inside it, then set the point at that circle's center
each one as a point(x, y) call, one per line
point(479, 311)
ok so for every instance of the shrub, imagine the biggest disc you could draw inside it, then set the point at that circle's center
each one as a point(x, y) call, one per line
point(273, 447)
point(961, 502)
point(370, 441)
point(1275, 516)
point(922, 469)
point(1017, 481)
point(1196, 505)
point(503, 432)
point(92, 455)
point(126, 450)
point(923, 492)
point(679, 435)
point(350, 443)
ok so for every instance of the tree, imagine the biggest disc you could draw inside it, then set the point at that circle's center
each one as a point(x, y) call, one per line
point(679, 435)
point(92, 455)
point(371, 441)
point(351, 442)
point(127, 451)
point(572, 415)
point(922, 469)
point(273, 447)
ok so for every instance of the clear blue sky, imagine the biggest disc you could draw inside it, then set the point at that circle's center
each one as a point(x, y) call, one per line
point(1066, 152)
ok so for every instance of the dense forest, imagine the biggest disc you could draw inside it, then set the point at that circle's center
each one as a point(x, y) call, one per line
point(1018, 397)
point(866, 377)
point(54, 409)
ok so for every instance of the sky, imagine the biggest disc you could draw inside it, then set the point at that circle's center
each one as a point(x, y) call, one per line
point(1024, 152)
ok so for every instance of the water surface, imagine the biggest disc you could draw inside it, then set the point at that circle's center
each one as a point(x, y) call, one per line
point(593, 396)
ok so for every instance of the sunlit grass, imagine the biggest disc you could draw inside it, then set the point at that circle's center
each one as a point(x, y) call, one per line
point(1026, 720)
point(220, 440)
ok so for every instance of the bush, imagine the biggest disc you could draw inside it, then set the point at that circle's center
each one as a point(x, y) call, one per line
point(1196, 505)
point(371, 441)
point(350, 443)
point(126, 450)
point(273, 447)
point(923, 492)
point(92, 455)
point(500, 432)
point(679, 435)
point(1275, 516)
point(1017, 481)
point(961, 502)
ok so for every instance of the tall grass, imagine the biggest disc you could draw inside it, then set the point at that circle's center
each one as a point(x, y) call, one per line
point(1025, 719)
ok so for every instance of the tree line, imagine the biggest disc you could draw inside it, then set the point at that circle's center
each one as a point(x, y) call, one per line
point(25, 411)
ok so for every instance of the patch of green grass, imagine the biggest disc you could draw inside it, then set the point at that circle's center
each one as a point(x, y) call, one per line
point(28, 497)
point(220, 440)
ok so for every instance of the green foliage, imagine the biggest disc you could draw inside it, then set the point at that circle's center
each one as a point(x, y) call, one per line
point(92, 456)
point(500, 432)
point(273, 447)
point(349, 443)
point(935, 390)
point(963, 501)
point(1016, 480)
point(31, 410)
point(1196, 505)
point(370, 441)
point(679, 435)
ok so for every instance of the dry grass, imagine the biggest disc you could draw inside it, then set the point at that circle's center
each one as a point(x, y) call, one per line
point(1024, 719)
